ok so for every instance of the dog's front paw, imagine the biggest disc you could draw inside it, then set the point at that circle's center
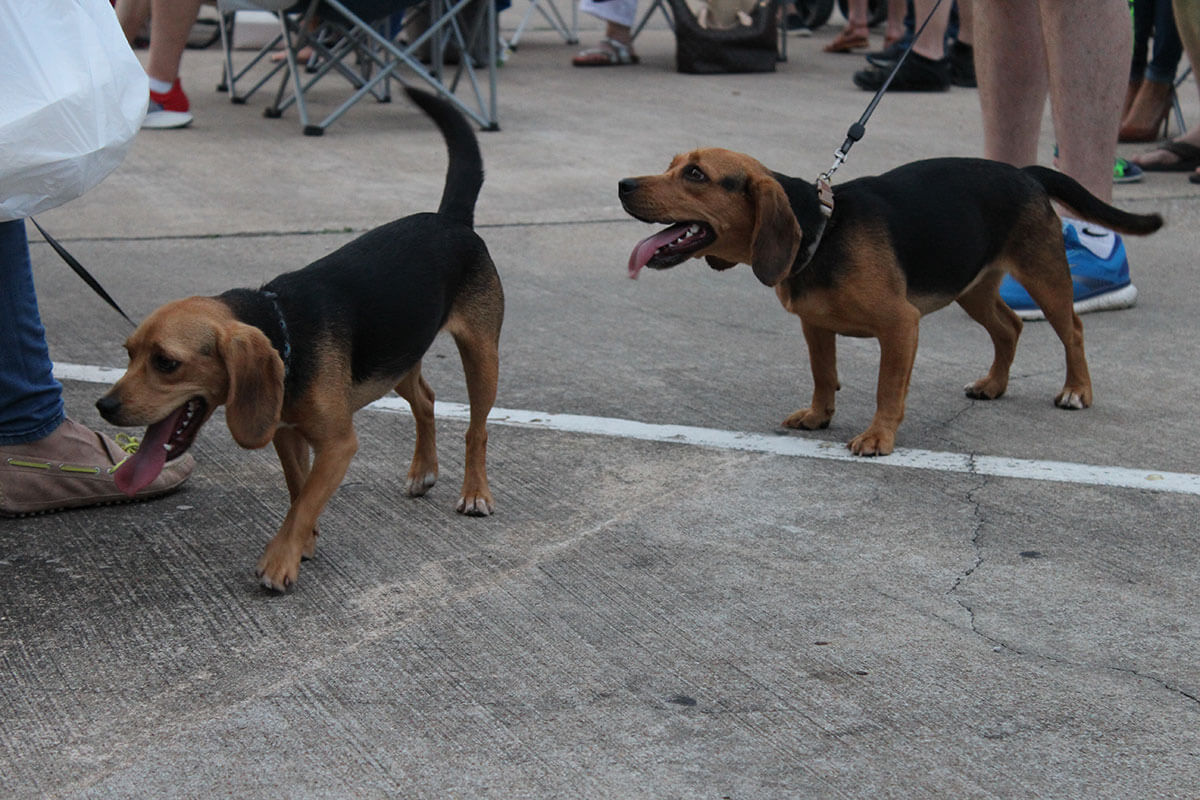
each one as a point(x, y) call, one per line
point(478, 504)
point(278, 568)
point(808, 419)
point(1073, 399)
point(420, 483)
point(873, 442)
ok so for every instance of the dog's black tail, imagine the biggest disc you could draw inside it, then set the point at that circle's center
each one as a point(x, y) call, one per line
point(464, 174)
point(1087, 206)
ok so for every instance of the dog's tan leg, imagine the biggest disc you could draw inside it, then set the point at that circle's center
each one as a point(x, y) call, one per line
point(897, 351)
point(423, 471)
point(1051, 288)
point(822, 357)
point(982, 302)
point(1060, 313)
point(280, 563)
point(481, 363)
point(294, 456)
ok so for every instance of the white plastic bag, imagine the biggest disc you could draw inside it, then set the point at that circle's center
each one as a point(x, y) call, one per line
point(72, 97)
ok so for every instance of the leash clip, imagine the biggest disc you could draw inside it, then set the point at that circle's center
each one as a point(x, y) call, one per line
point(824, 185)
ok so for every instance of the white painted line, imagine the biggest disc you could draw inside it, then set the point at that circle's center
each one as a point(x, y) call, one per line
point(782, 444)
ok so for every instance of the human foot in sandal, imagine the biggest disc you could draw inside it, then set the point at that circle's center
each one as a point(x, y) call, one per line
point(1172, 156)
point(302, 55)
point(849, 39)
point(609, 53)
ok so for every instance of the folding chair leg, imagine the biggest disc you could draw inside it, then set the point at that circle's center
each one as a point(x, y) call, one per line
point(378, 58)
point(1175, 100)
point(224, 21)
point(659, 5)
point(229, 74)
point(275, 110)
point(555, 19)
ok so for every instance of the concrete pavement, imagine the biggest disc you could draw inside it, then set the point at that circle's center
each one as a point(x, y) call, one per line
point(706, 610)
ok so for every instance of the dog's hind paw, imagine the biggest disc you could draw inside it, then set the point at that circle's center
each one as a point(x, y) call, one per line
point(1073, 399)
point(418, 485)
point(310, 549)
point(985, 389)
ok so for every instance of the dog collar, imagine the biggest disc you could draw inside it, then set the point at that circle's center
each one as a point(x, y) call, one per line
point(825, 198)
point(285, 351)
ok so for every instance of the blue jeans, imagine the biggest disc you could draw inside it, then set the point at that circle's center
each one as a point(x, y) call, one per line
point(31, 404)
point(1155, 20)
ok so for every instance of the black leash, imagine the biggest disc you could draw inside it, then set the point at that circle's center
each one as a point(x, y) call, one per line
point(81, 272)
point(856, 132)
point(859, 129)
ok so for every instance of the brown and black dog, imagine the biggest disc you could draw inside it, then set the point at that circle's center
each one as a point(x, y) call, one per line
point(895, 247)
point(294, 360)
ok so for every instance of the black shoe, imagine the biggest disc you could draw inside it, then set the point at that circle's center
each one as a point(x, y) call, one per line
point(962, 64)
point(889, 55)
point(796, 24)
point(916, 74)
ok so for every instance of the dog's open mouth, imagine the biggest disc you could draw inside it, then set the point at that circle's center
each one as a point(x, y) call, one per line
point(670, 247)
point(163, 441)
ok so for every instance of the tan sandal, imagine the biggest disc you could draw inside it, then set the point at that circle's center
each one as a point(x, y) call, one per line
point(847, 41)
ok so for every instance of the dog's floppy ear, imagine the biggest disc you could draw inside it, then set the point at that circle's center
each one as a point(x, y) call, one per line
point(255, 385)
point(776, 238)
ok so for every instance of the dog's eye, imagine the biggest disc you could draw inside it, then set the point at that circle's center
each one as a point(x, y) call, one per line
point(694, 173)
point(164, 365)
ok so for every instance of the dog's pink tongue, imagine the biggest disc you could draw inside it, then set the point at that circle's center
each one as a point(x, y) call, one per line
point(646, 248)
point(141, 468)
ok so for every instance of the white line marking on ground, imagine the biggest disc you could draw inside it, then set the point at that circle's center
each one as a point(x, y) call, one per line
point(782, 444)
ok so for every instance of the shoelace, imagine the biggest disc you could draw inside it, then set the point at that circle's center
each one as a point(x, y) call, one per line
point(126, 442)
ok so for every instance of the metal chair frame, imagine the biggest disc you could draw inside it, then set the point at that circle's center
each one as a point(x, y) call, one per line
point(340, 35)
point(553, 17)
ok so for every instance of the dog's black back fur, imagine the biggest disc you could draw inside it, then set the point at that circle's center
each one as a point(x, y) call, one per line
point(386, 294)
point(940, 243)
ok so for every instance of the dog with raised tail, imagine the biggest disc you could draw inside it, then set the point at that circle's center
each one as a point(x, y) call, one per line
point(293, 360)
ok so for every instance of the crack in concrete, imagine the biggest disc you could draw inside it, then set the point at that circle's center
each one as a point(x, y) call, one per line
point(976, 530)
point(1001, 645)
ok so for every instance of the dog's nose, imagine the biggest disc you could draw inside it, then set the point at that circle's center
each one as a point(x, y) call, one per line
point(626, 186)
point(107, 406)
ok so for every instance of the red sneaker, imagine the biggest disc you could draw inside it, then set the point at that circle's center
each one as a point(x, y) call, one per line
point(168, 109)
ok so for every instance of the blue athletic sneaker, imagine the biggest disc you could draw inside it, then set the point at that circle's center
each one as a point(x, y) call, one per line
point(1099, 269)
